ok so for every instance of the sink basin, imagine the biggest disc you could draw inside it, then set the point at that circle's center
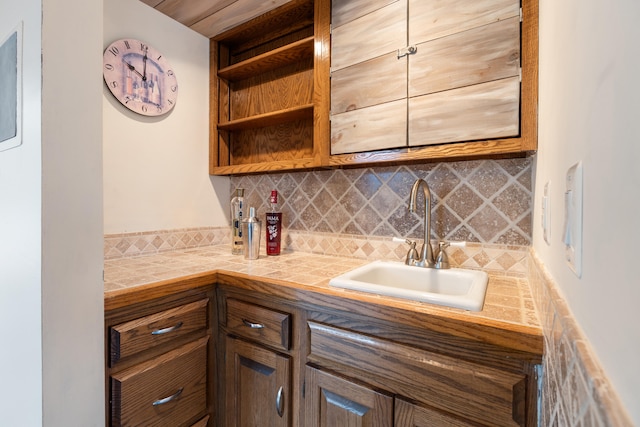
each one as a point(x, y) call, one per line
point(452, 287)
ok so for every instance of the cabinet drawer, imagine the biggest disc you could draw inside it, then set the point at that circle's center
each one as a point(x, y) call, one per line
point(261, 324)
point(170, 389)
point(129, 338)
point(476, 392)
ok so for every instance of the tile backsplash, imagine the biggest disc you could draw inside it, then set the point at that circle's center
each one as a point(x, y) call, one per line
point(483, 201)
point(356, 212)
point(575, 389)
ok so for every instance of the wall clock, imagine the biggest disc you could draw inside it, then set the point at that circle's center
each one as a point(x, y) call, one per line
point(140, 77)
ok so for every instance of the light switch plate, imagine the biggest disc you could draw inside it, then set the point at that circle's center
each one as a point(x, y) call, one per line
point(572, 233)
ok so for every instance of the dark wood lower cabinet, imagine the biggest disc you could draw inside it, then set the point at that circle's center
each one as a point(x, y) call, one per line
point(292, 364)
point(159, 361)
point(331, 401)
point(257, 386)
point(320, 361)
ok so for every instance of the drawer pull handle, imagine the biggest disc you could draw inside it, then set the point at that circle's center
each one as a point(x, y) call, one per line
point(167, 330)
point(252, 325)
point(280, 402)
point(169, 398)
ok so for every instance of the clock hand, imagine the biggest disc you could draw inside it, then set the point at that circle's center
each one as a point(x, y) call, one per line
point(132, 68)
point(144, 66)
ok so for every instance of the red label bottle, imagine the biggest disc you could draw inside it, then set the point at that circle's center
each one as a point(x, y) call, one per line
point(273, 226)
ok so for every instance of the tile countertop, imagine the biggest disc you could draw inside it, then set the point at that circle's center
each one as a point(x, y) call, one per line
point(508, 304)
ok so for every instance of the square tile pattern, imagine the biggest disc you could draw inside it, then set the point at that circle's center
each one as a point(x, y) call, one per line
point(485, 201)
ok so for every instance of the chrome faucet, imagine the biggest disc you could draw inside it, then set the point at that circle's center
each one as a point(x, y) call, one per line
point(426, 254)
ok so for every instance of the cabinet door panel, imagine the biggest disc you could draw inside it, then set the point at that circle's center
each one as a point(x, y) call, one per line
point(369, 83)
point(257, 384)
point(343, 11)
point(487, 53)
point(331, 401)
point(488, 110)
point(409, 415)
point(372, 128)
point(372, 35)
point(432, 19)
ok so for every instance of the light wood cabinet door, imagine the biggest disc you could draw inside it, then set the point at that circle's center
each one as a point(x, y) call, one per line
point(257, 386)
point(331, 401)
point(460, 82)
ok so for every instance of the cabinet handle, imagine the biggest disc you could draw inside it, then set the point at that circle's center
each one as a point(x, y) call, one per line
point(280, 402)
point(167, 330)
point(252, 325)
point(168, 399)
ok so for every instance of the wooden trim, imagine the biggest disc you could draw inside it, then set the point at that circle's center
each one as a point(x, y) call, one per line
point(322, 82)
point(529, 52)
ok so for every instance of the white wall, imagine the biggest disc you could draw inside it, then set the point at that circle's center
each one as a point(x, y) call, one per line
point(156, 169)
point(20, 247)
point(590, 111)
point(72, 243)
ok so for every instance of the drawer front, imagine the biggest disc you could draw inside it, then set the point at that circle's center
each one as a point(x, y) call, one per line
point(479, 393)
point(258, 323)
point(129, 338)
point(168, 390)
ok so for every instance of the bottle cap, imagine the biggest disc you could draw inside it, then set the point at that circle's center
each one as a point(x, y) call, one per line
point(274, 196)
point(240, 192)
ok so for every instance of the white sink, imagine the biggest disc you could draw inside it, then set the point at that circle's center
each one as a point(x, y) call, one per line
point(452, 287)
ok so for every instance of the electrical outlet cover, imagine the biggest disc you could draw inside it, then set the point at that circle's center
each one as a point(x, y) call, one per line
point(572, 235)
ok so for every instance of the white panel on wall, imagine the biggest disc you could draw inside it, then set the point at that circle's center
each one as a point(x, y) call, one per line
point(11, 89)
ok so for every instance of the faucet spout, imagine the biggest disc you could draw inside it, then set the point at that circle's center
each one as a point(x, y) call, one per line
point(426, 254)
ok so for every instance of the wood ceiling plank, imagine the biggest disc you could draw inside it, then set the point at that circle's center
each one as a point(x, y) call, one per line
point(188, 12)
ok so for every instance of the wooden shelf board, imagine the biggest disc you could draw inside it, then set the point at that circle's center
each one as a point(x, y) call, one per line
point(277, 165)
point(268, 61)
point(269, 119)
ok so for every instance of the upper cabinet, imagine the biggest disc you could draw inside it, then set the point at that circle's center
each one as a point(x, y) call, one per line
point(303, 84)
point(433, 72)
point(270, 91)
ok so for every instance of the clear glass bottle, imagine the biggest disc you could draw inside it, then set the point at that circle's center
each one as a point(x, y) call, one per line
point(273, 226)
point(237, 210)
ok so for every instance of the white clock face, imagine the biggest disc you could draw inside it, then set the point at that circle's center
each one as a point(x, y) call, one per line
point(140, 77)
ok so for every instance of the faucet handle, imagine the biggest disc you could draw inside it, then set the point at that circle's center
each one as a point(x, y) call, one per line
point(442, 260)
point(412, 254)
